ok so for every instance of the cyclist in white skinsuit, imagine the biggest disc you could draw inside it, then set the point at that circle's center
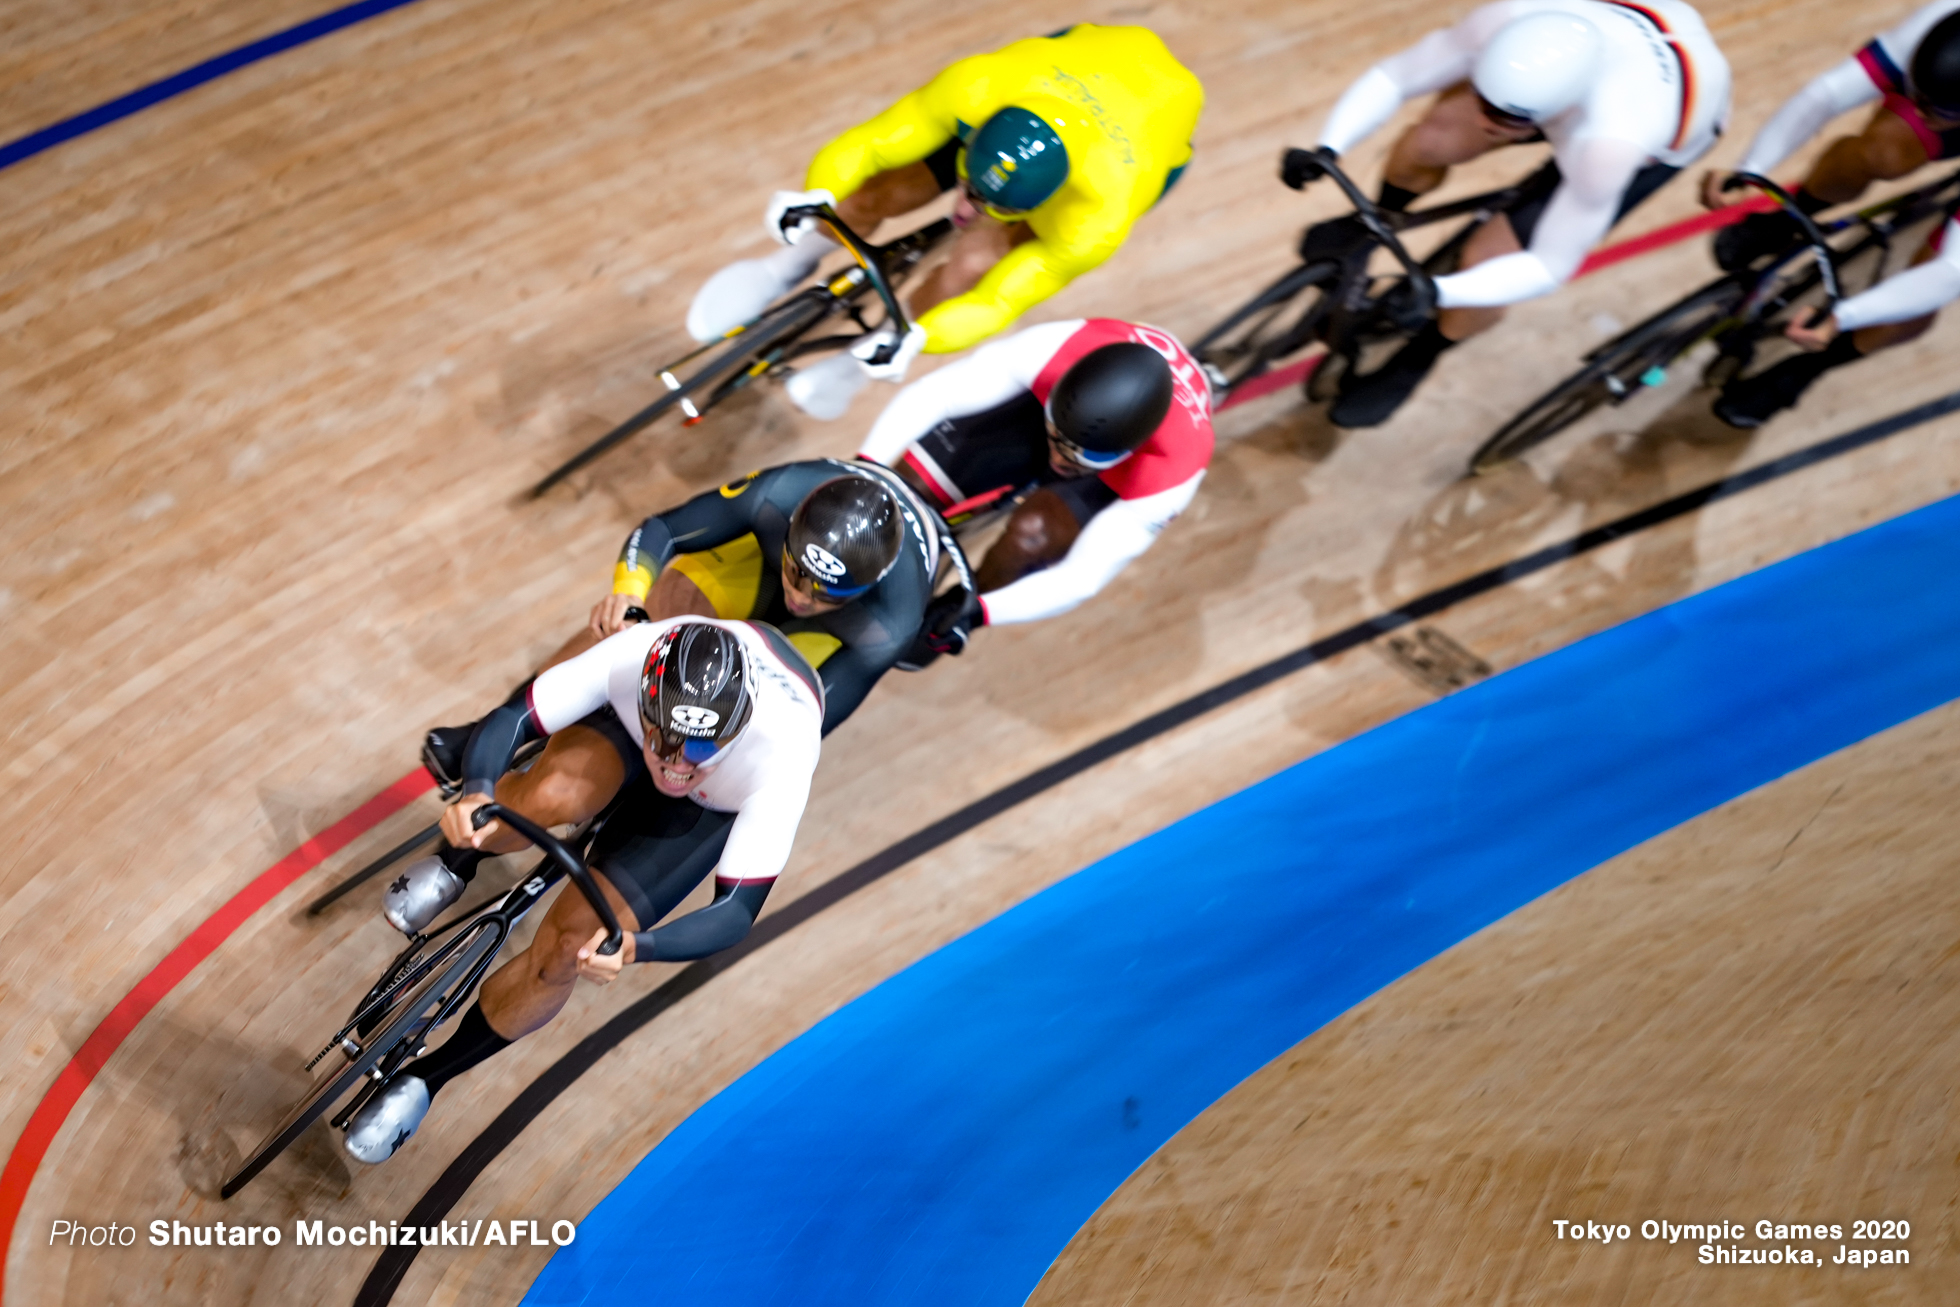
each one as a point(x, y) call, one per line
point(1912, 73)
point(707, 732)
point(1627, 95)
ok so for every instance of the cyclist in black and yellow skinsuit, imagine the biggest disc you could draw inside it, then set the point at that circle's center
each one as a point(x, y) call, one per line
point(745, 551)
point(838, 556)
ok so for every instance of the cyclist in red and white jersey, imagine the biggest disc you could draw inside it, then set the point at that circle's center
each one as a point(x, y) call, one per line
point(1627, 94)
point(1912, 73)
point(1105, 428)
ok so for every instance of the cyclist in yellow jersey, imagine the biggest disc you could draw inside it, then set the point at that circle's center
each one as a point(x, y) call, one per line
point(1057, 145)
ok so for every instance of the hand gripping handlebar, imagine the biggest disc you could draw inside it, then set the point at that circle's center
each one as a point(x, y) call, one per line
point(1812, 234)
point(867, 257)
point(1380, 228)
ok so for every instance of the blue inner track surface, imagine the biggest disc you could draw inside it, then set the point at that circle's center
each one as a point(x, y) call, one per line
point(940, 1139)
point(26, 147)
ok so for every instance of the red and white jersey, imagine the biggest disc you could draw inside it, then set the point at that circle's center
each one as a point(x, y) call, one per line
point(764, 777)
point(1661, 95)
point(1879, 71)
point(1152, 486)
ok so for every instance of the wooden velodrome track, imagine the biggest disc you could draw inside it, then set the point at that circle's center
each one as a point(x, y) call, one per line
point(279, 358)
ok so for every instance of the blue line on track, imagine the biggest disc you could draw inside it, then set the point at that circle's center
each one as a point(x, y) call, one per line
point(68, 129)
point(941, 1138)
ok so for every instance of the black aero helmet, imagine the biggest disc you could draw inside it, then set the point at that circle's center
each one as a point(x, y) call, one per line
point(844, 537)
point(1111, 401)
point(1935, 71)
point(696, 694)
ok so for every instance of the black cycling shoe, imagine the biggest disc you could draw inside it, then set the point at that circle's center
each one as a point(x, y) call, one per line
point(442, 754)
point(1749, 402)
point(1369, 401)
point(1756, 236)
point(1337, 239)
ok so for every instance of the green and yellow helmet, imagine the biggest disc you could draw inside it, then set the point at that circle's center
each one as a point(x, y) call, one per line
point(1015, 160)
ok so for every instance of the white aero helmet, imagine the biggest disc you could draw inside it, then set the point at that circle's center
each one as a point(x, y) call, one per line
point(1540, 65)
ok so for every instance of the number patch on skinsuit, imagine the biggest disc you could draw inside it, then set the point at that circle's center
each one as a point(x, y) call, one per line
point(739, 484)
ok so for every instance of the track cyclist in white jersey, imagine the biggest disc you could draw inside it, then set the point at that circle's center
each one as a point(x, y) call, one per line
point(1101, 428)
point(1913, 74)
point(707, 732)
point(1627, 94)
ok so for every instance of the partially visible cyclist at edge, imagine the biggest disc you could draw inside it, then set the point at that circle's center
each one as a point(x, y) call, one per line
point(1103, 427)
point(838, 556)
point(708, 733)
point(1056, 145)
point(1914, 72)
point(1628, 95)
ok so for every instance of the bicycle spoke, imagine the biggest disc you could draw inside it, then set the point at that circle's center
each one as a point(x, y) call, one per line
point(1615, 371)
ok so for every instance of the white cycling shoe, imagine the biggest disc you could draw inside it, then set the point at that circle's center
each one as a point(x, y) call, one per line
point(418, 896)
point(388, 1120)
point(825, 389)
point(736, 295)
point(739, 293)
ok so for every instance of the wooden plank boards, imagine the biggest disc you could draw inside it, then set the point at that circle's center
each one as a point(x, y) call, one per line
point(282, 355)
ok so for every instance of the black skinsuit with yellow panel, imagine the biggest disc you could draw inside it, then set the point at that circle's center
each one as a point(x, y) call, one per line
point(729, 542)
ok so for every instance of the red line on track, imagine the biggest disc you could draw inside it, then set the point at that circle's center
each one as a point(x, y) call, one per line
point(123, 1018)
point(66, 1091)
point(1604, 257)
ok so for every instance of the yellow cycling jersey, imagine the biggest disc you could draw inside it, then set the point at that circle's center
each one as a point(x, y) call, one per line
point(1138, 108)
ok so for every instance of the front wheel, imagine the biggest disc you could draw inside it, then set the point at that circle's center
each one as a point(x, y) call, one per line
point(409, 1019)
point(1613, 373)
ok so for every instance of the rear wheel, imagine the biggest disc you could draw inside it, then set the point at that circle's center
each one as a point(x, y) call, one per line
point(1279, 321)
point(1615, 372)
point(780, 324)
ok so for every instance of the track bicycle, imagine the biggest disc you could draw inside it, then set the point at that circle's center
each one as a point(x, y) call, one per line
point(426, 984)
point(1338, 303)
point(1738, 313)
point(780, 337)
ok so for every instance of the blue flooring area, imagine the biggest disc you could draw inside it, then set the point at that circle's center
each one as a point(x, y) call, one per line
point(939, 1140)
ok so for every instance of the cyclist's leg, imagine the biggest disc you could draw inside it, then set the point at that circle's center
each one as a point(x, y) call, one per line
point(652, 853)
point(1894, 142)
point(581, 769)
point(893, 194)
point(576, 775)
point(1041, 531)
point(518, 998)
point(1748, 402)
point(979, 246)
point(1452, 131)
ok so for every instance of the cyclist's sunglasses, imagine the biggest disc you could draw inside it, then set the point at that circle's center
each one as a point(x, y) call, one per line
point(1504, 117)
point(1094, 460)
point(671, 748)
point(974, 198)
point(1944, 112)
point(822, 588)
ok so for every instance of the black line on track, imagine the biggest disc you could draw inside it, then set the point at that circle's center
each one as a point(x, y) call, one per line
point(434, 1205)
